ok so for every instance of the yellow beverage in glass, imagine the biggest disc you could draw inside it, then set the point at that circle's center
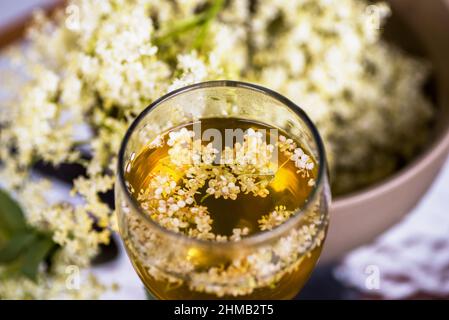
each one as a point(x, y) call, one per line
point(223, 193)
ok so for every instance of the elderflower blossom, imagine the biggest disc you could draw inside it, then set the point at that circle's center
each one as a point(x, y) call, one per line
point(275, 218)
point(237, 233)
point(302, 160)
point(223, 185)
point(169, 197)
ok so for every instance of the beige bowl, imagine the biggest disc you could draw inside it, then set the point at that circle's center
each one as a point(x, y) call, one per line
point(358, 218)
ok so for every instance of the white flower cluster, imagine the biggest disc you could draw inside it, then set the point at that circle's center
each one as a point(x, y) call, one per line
point(261, 269)
point(275, 218)
point(169, 197)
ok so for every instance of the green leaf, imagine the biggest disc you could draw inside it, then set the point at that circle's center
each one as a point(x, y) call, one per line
point(12, 219)
point(22, 248)
point(36, 253)
point(15, 246)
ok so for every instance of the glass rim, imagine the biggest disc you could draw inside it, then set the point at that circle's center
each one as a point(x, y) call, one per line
point(256, 238)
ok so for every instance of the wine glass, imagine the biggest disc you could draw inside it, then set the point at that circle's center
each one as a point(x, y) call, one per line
point(273, 264)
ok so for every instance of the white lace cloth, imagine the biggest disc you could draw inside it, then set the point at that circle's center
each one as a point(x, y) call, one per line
point(411, 259)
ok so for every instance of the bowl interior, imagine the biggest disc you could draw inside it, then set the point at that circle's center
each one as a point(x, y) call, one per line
point(421, 28)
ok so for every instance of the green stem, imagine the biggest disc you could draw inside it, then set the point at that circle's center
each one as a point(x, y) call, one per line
point(283, 164)
point(211, 15)
point(180, 27)
point(205, 197)
point(202, 19)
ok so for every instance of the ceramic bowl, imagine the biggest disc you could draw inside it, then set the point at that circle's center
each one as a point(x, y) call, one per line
point(421, 27)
